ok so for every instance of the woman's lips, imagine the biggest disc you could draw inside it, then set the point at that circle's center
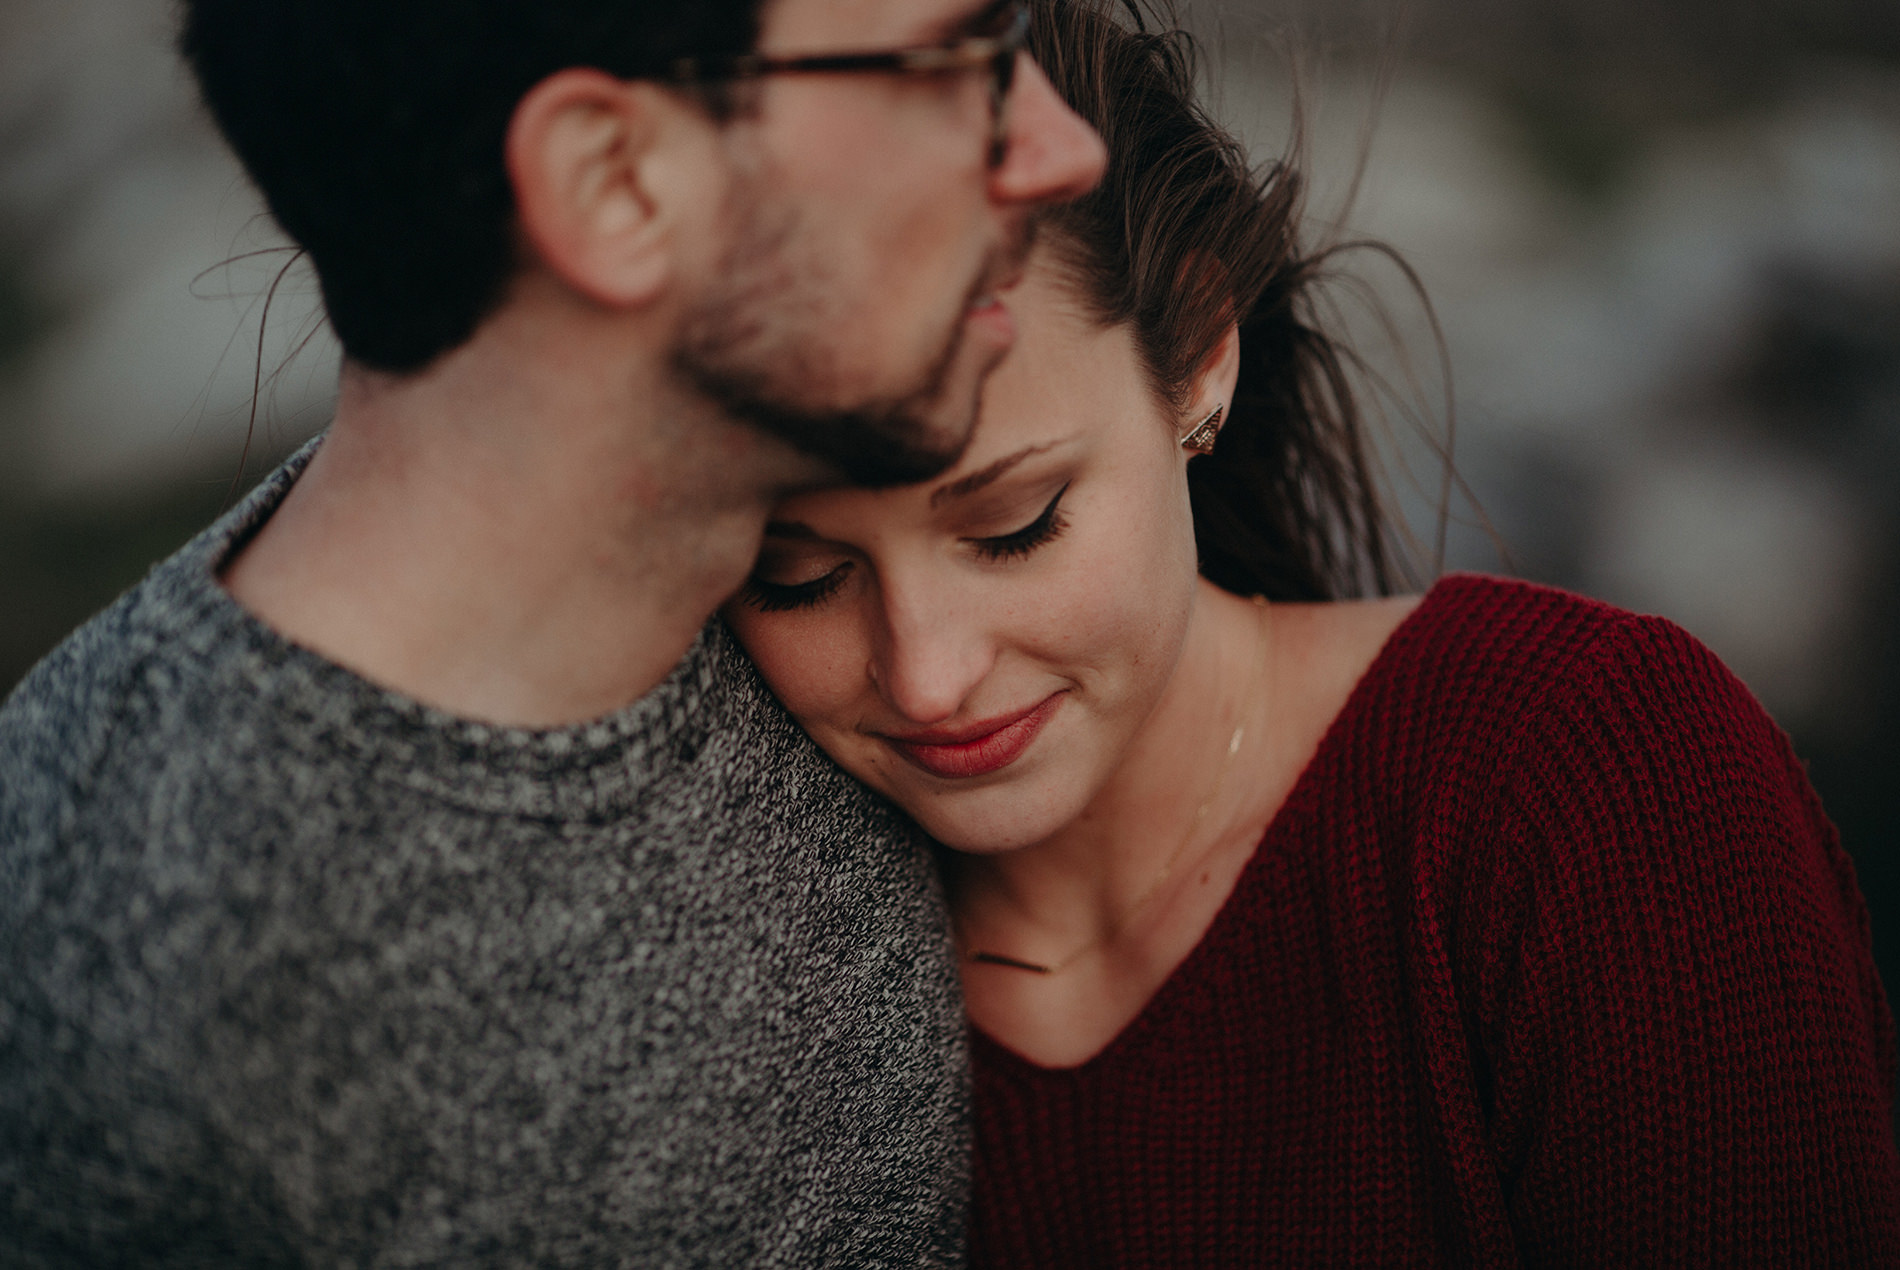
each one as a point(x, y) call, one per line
point(978, 750)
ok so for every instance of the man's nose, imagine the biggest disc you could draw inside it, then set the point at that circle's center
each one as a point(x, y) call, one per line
point(1051, 155)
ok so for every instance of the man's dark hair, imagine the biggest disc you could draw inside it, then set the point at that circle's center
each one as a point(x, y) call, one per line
point(375, 130)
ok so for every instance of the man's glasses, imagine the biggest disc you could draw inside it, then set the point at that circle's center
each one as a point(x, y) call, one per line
point(997, 53)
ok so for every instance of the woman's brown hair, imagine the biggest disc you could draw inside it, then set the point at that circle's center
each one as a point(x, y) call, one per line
point(1181, 238)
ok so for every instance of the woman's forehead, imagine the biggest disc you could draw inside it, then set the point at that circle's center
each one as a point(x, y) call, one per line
point(968, 478)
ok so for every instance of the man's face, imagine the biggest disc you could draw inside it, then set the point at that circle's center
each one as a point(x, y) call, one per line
point(860, 294)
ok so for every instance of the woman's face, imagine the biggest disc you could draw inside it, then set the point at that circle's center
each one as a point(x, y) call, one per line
point(983, 649)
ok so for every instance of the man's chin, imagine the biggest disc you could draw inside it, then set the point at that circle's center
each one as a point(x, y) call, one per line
point(870, 448)
point(876, 453)
point(923, 437)
point(878, 446)
point(907, 443)
point(898, 440)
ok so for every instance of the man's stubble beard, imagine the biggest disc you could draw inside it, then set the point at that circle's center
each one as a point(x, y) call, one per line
point(747, 345)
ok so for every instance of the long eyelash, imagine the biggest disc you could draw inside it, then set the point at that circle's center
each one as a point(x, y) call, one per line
point(1038, 532)
point(772, 597)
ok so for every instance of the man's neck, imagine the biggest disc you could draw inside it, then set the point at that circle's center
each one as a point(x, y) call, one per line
point(514, 535)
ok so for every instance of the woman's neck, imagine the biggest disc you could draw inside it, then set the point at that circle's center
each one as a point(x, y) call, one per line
point(1166, 805)
point(1075, 890)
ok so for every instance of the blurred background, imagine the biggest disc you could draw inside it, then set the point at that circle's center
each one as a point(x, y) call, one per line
point(1662, 240)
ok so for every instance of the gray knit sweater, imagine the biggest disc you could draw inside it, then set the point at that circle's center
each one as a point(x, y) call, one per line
point(294, 971)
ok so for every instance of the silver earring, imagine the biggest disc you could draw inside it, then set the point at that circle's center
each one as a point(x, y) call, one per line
point(1201, 439)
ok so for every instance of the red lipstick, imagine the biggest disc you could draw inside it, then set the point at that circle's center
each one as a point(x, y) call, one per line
point(978, 748)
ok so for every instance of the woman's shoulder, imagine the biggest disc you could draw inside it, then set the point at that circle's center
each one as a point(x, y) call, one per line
point(1494, 691)
point(1475, 639)
point(1618, 874)
point(1477, 624)
point(1524, 651)
point(1555, 762)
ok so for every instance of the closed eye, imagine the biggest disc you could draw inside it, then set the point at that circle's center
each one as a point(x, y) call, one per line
point(1038, 532)
point(779, 597)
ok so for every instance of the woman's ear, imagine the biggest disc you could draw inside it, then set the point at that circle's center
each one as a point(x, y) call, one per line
point(1220, 371)
point(587, 156)
point(1213, 392)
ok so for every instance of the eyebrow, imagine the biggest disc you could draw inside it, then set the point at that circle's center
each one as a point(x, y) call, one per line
point(789, 529)
point(965, 24)
point(965, 486)
point(962, 487)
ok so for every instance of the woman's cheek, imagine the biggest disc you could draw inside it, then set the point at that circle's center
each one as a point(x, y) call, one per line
point(805, 659)
point(1126, 597)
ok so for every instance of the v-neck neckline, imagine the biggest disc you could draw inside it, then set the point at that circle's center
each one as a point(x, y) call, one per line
point(1164, 1001)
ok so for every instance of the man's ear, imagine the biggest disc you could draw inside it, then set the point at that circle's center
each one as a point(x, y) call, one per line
point(588, 158)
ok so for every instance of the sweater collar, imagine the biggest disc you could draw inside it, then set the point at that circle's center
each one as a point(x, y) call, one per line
point(585, 771)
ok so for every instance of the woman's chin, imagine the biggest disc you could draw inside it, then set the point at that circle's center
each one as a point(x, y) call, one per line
point(1027, 802)
point(1011, 824)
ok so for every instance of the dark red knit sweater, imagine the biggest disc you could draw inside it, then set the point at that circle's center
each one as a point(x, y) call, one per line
point(1550, 958)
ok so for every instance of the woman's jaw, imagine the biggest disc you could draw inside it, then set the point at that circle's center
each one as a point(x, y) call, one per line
point(1011, 788)
point(1116, 746)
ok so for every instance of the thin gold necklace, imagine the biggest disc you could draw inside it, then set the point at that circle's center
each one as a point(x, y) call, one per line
point(1263, 632)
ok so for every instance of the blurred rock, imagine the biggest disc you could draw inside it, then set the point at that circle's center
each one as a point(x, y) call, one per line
point(1758, 551)
point(1647, 374)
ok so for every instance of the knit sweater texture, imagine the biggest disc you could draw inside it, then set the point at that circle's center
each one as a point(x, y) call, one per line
point(1550, 959)
point(301, 973)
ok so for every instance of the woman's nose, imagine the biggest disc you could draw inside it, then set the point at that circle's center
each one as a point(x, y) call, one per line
point(928, 660)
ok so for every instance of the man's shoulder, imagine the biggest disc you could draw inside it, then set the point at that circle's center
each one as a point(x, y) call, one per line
point(58, 712)
point(762, 746)
point(117, 674)
point(174, 711)
point(275, 931)
point(286, 925)
point(60, 721)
